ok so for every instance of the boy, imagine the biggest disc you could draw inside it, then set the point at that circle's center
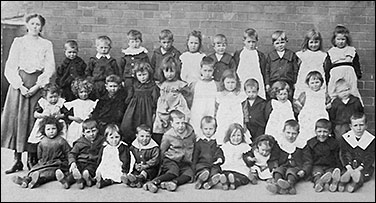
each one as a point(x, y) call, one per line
point(223, 60)
point(176, 151)
point(357, 153)
point(83, 157)
point(166, 39)
point(281, 63)
point(207, 155)
point(101, 66)
point(73, 67)
point(322, 157)
point(254, 109)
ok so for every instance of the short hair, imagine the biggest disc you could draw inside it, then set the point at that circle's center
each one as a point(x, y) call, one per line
point(113, 78)
point(134, 35)
point(265, 139)
point(195, 33)
point(314, 35)
point(278, 87)
point(170, 63)
point(341, 82)
point(143, 127)
point(166, 34)
point(341, 29)
point(229, 74)
point(50, 120)
point(208, 119)
point(291, 123)
point(111, 129)
point(250, 32)
point(40, 17)
point(323, 123)
point(314, 74)
point(251, 82)
point(231, 129)
point(176, 114)
point(279, 34)
point(206, 60)
point(79, 84)
point(104, 39)
point(141, 67)
point(358, 115)
point(219, 38)
point(88, 124)
point(52, 88)
point(72, 44)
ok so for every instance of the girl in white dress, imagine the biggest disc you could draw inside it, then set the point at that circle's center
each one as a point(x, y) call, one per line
point(81, 108)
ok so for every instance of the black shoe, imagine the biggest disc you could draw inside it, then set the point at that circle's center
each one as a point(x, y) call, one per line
point(18, 166)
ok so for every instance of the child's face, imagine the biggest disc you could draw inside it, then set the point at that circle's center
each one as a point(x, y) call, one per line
point(219, 47)
point(134, 43)
point(143, 76)
point(70, 52)
point(279, 44)
point(208, 129)
point(358, 126)
point(343, 91)
point(169, 74)
point(314, 44)
point(113, 139)
point(314, 84)
point(322, 134)
point(207, 72)
point(50, 130)
point(112, 88)
point(236, 137)
point(179, 125)
point(282, 95)
point(52, 98)
point(230, 84)
point(193, 44)
point(264, 149)
point(91, 133)
point(103, 47)
point(250, 43)
point(143, 137)
point(290, 134)
point(166, 44)
point(251, 92)
point(83, 94)
point(340, 41)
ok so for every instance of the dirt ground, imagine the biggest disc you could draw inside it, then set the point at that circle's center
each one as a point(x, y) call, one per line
point(53, 192)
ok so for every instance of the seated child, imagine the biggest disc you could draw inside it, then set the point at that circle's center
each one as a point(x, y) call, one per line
point(207, 155)
point(176, 151)
point(357, 153)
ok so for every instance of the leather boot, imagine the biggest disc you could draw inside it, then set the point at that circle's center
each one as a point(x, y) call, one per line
point(17, 166)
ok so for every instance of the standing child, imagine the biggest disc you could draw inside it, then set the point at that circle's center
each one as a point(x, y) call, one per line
point(52, 154)
point(143, 94)
point(101, 65)
point(222, 60)
point(281, 63)
point(357, 153)
point(207, 155)
point(171, 97)
point(166, 39)
point(251, 62)
point(345, 62)
point(80, 108)
point(191, 59)
point(73, 67)
point(176, 151)
point(134, 54)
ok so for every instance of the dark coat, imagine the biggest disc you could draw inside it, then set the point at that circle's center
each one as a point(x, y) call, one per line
point(86, 152)
point(127, 63)
point(205, 153)
point(340, 113)
point(285, 68)
point(157, 58)
point(227, 62)
point(254, 115)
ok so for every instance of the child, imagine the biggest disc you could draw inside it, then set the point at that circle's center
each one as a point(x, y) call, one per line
point(176, 151)
point(222, 60)
point(207, 155)
point(171, 97)
point(52, 154)
point(345, 62)
point(83, 157)
point(113, 159)
point(147, 158)
point(311, 58)
point(166, 39)
point(313, 102)
point(111, 107)
point(228, 104)
point(51, 104)
point(190, 60)
point(143, 94)
point(291, 166)
point(203, 92)
point(80, 108)
point(101, 66)
point(73, 67)
point(357, 153)
point(251, 62)
point(134, 54)
point(278, 109)
point(281, 63)
point(342, 107)
point(235, 147)
point(322, 157)
point(253, 109)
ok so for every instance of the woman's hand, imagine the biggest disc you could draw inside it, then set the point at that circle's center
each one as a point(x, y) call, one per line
point(34, 89)
point(24, 91)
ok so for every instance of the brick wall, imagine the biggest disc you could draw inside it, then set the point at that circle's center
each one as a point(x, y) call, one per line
point(85, 20)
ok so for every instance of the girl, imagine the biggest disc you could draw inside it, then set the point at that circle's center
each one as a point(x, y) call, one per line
point(228, 102)
point(250, 61)
point(143, 95)
point(114, 158)
point(52, 154)
point(81, 108)
point(171, 97)
point(345, 62)
point(313, 101)
point(311, 58)
point(29, 67)
point(278, 109)
point(190, 69)
point(234, 169)
point(51, 104)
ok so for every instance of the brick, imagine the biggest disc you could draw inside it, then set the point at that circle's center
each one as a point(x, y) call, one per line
point(368, 101)
point(87, 20)
point(70, 5)
point(87, 13)
point(355, 19)
point(86, 28)
point(148, 14)
point(72, 35)
point(87, 4)
point(152, 7)
point(369, 85)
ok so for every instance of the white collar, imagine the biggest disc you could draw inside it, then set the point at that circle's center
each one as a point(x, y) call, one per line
point(280, 53)
point(364, 141)
point(131, 51)
point(151, 144)
point(100, 55)
point(207, 139)
point(219, 57)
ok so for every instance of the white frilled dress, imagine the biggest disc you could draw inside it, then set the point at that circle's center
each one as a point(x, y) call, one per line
point(261, 166)
point(81, 109)
point(313, 109)
point(249, 67)
point(190, 66)
point(234, 157)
